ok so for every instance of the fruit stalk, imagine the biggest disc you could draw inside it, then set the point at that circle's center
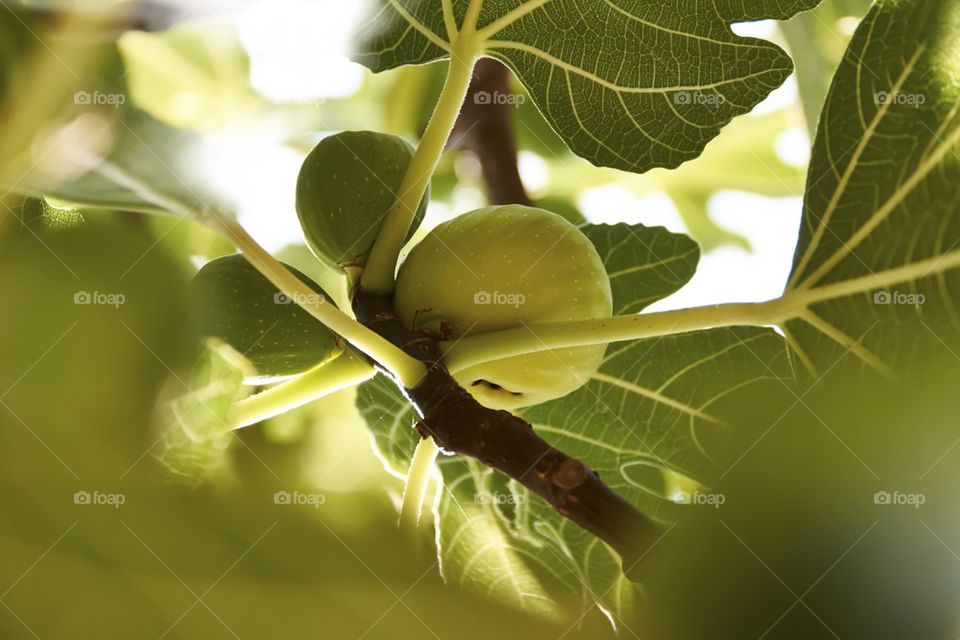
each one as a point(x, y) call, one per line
point(507, 443)
point(418, 480)
point(345, 371)
point(378, 275)
point(534, 338)
point(407, 369)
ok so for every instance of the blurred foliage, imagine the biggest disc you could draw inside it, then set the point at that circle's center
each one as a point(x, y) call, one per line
point(14, 39)
point(195, 424)
point(53, 67)
point(39, 213)
point(194, 76)
point(79, 385)
point(89, 523)
point(101, 320)
point(333, 282)
point(817, 40)
point(858, 536)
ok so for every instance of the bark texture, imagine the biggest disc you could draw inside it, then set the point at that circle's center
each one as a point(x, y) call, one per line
point(507, 443)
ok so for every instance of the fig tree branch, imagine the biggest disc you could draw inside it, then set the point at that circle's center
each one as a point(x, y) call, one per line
point(485, 127)
point(507, 443)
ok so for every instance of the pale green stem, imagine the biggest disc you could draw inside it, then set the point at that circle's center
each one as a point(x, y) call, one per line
point(474, 350)
point(418, 480)
point(347, 370)
point(407, 369)
point(472, 16)
point(378, 275)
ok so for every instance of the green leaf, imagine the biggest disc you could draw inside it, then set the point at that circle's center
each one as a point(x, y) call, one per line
point(493, 537)
point(148, 167)
point(195, 76)
point(390, 419)
point(496, 538)
point(630, 85)
point(196, 428)
point(803, 498)
point(816, 43)
point(743, 157)
point(875, 273)
point(656, 407)
point(644, 264)
point(39, 213)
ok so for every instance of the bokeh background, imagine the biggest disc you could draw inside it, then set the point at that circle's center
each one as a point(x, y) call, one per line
point(200, 548)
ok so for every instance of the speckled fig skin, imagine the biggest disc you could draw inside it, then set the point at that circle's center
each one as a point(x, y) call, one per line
point(234, 302)
point(346, 187)
point(503, 267)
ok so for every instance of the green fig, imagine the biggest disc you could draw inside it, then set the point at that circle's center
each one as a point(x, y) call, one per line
point(504, 267)
point(346, 187)
point(237, 304)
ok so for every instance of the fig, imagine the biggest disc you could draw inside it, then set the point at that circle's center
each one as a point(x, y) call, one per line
point(346, 187)
point(236, 303)
point(499, 268)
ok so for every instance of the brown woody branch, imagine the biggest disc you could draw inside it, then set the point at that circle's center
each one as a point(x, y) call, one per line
point(485, 126)
point(451, 416)
point(507, 443)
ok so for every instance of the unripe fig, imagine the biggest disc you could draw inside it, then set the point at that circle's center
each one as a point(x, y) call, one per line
point(237, 304)
point(347, 186)
point(503, 267)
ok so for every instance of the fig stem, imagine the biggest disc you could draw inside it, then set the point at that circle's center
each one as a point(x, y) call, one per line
point(346, 370)
point(379, 273)
point(406, 369)
point(473, 350)
point(418, 479)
